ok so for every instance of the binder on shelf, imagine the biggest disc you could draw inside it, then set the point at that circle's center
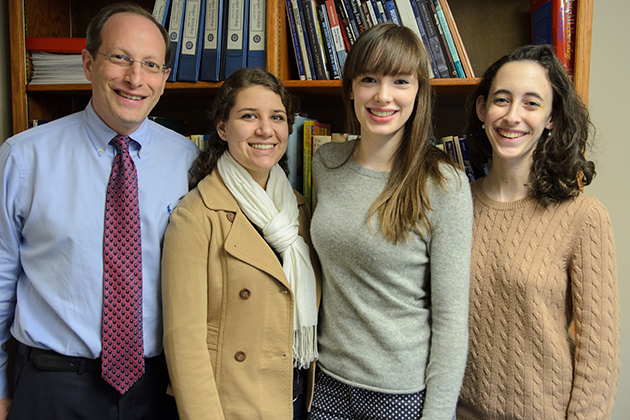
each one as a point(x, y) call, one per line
point(160, 11)
point(211, 55)
point(236, 36)
point(55, 44)
point(192, 40)
point(256, 51)
point(176, 22)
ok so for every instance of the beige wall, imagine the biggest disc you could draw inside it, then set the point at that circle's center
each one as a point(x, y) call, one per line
point(609, 104)
point(610, 110)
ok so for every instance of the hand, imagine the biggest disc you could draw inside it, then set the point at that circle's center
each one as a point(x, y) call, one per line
point(5, 403)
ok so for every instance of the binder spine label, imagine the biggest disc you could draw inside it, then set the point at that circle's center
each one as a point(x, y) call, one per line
point(212, 25)
point(257, 19)
point(235, 25)
point(191, 27)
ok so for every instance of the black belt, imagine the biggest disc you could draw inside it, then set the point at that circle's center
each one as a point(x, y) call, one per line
point(52, 361)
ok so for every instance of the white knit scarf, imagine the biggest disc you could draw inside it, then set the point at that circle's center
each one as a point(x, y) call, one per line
point(275, 211)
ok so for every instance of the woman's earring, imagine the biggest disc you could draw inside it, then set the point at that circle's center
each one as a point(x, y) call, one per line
point(483, 126)
point(549, 134)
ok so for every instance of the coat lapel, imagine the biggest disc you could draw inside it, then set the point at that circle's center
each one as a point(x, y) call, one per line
point(243, 240)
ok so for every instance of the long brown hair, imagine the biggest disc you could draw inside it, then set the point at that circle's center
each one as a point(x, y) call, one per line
point(388, 49)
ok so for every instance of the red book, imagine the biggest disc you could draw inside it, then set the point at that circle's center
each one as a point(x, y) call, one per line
point(553, 23)
point(55, 44)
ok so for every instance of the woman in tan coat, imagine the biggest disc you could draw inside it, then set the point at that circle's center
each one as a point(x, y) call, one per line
point(239, 277)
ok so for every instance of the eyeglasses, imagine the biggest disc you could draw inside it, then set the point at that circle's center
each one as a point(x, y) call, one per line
point(124, 61)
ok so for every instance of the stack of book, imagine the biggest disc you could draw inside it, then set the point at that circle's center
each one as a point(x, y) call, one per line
point(323, 32)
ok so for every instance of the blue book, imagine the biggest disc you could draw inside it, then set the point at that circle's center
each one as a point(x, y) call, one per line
point(296, 40)
point(175, 26)
point(257, 51)
point(423, 37)
point(192, 41)
point(329, 46)
point(449, 40)
point(347, 7)
point(236, 36)
point(313, 35)
point(211, 55)
point(465, 157)
point(392, 12)
point(309, 70)
point(435, 48)
point(307, 42)
point(160, 11)
point(378, 11)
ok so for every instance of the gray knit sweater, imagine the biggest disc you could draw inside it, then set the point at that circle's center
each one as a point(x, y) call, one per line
point(393, 318)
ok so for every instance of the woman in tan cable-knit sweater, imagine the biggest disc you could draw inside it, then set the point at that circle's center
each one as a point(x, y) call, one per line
point(543, 255)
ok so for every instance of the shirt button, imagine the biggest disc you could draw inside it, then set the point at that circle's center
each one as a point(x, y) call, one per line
point(240, 356)
point(245, 294)
point(230, 217)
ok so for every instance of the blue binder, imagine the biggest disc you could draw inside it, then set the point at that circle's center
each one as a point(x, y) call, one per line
point(175, 25)
point(236, 27)
point(211, 55)
point(256, 51)
point(192, 41)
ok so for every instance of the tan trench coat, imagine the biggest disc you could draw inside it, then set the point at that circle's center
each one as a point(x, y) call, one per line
point(228, 311)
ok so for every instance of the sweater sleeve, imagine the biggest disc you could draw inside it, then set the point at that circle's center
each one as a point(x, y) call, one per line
point(593, 272)
point(450, 249)
point(185, 294)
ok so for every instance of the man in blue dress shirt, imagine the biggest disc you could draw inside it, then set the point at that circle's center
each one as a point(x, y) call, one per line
point(53, 181)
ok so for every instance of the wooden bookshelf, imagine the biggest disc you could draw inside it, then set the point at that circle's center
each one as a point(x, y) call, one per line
point(489, 29)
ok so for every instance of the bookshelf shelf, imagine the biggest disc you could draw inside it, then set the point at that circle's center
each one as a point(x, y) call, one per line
point(489, 29)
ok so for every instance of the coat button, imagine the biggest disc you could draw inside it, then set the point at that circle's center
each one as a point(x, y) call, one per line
point(240, 356)
point(245, 294)
point(230, 217)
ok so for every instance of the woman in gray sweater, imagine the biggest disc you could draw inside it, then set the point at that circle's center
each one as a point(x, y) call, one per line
point(392, 227)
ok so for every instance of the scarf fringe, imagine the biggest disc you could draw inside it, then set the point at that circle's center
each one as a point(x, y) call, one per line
point(304, 347)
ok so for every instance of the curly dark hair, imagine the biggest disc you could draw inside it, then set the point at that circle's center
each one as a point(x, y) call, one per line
point(220, 111)
point(559, 168)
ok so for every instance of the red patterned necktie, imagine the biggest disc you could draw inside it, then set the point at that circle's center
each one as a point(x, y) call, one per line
point(122, 358)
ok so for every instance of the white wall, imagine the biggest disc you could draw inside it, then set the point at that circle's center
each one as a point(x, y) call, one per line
point(609, 103)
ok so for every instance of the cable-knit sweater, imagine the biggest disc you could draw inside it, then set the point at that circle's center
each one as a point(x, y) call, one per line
point(533, 272)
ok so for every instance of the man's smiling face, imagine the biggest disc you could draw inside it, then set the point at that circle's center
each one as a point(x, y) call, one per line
point(123, 96)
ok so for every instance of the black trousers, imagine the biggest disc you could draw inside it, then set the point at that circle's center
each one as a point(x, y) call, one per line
point(49, 393)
